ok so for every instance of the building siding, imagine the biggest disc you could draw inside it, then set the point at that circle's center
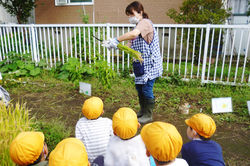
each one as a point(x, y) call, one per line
point(111, 11)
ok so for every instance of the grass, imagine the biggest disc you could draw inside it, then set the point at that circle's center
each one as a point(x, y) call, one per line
point(13, 119)
point(54, 131)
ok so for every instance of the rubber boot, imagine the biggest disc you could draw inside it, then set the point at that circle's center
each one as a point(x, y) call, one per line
point(141, 102)
point(149, 105)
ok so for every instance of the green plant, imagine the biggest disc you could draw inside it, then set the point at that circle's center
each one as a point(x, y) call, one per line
point(19, 8)
point(200, 12)
point(175, 79)
point(128, 50)
point(20, 65)
point(85, 18)
point(54, 131)
point(104, 73)
point(13, 120)
point(74, 71)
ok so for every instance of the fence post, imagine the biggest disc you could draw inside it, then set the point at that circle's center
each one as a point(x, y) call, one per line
point(33, 37)
point(108, 36)
point(205, 54)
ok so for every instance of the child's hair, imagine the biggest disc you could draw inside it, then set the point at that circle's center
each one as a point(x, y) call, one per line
point(37, 161)
point(162, 162)
point(136, 6)
point(201, 137)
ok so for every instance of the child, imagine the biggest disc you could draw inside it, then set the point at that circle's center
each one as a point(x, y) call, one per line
point(163, 142)
point(69, 152)
point(125, 148)
point(93, 130)
point(201, 150)
point(29, 148)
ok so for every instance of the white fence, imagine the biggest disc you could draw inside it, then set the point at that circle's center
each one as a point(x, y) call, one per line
point(212, 53)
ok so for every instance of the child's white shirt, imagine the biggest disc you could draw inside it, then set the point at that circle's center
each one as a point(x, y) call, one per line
point(178, 162)
point(95, 135)
point(130, 152)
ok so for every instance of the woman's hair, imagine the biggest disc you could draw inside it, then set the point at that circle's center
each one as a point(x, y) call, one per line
point(136, 6)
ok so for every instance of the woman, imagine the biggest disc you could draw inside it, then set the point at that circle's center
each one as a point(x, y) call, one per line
point(142, 38)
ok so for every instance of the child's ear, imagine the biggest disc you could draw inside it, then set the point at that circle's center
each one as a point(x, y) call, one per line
point(194, 132)
point(102, 112)
point(139, 125)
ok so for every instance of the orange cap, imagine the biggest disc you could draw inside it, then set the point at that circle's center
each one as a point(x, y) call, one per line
point(203, 124)
point(26, 148)
point(125, 123)
point(69, 152)
point(92, 108)
point(162, 140)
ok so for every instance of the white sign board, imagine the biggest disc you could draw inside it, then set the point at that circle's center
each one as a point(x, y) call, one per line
point(248, 106)
point(222, 105)
point(85, 88)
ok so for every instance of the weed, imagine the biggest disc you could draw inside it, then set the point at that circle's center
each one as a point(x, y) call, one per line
point(104, 73)
point(20, 65)
point(73, 71)
point(13, 120)
point(54, 131)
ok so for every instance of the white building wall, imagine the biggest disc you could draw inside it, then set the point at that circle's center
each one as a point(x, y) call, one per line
point(5, 17)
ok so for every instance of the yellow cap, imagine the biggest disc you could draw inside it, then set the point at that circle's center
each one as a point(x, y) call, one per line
point(92, 108)
point(26, 147)
point(203, 124)
point(69, 152)
point(125, 123)
point(162, 140)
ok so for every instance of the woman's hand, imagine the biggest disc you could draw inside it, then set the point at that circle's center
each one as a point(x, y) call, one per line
point(111, 43)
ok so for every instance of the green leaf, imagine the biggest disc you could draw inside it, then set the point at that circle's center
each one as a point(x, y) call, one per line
point(4, 69)
point(63, 75)
point(29, 67)
point(12, 67)
point(35, 72)
point(2, 63)
point(20, 64)
point(21, 72)
point(42, 63)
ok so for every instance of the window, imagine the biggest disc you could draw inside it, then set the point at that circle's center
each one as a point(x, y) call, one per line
point(73, 2)
point(239, 7)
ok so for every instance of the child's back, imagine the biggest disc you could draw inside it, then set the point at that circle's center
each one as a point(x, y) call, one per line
point(198, 152)
point(93, 130)
point(126, 152)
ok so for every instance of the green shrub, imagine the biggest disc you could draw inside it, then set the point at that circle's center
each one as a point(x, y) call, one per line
point(74, 71)
point(20, 65)
point(104, 73)
point(13, 120)
point(54, 131)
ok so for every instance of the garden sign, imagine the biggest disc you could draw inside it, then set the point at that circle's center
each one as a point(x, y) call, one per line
point(85, 88)
point(222, 105)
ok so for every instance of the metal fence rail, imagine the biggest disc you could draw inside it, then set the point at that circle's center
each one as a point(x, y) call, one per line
point(212, 53)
